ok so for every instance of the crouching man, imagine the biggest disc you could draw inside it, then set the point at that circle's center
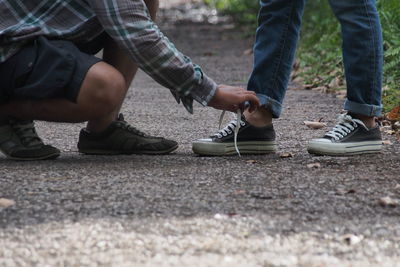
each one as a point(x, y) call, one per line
point(48, 71)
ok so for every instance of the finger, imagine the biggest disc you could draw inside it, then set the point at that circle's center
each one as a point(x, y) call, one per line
point(254, 102)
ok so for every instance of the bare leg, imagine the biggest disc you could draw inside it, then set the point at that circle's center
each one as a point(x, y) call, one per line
point(121, 60)
point(101, 95)
point(101, 92)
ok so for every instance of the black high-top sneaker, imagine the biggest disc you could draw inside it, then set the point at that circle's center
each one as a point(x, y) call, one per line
point(250, 140)
point(349, 136)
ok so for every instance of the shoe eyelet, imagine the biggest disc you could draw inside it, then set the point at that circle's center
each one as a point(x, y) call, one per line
point(225, 134)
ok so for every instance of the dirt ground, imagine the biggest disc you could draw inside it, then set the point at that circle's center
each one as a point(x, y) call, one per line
point(184, 210)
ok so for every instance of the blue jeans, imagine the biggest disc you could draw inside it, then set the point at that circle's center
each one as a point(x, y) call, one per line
point(276, 42)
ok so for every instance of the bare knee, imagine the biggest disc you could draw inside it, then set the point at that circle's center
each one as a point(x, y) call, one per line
point(102, 91)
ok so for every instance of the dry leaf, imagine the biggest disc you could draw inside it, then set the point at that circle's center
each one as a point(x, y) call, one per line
point(386, 142)
point(351, 239)
point(308, 86)
point(248, 52)
point(342, 94)
point(315, 124)
point(286, 155)
point(322, 89)
point(335, 83)
point(342, 192)
point(394, 114)
point(252, 161)
point(5, 203)
point(316, 165)
point(388, 202)
point(386, 128)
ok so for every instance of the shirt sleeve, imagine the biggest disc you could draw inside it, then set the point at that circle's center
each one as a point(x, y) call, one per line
point(128, 22)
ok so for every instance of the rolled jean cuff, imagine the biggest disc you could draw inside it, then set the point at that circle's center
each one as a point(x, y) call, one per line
point(363, 109)
point(271, 104)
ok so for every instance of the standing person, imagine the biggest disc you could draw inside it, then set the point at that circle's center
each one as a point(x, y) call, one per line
point(277, 35)
point(48, 72)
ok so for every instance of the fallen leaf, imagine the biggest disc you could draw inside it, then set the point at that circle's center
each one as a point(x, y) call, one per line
point(386, 142)
point(5, 202)
point(316, 165)
point(252, 161)
point(394, 114)
point(308, 86)
point(322, 89)
point(341, 96)
point(219, 216)
point(390, 132)
point(342, 192)
point(208, 54)
point(335, 83)
point(351, 239)
point(248, 52)
point(286, 155)
point(315, 124)
point(388, 202)
point(386, 128)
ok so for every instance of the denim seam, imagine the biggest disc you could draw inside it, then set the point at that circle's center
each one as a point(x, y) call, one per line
point(281, 52)
point(374, 52)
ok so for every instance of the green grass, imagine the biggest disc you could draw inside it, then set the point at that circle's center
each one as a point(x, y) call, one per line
point(320, 46)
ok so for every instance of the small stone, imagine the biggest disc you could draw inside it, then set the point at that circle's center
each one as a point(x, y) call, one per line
point(5, 203)
point(351, 239)
point(388, 202)
point(315, 165)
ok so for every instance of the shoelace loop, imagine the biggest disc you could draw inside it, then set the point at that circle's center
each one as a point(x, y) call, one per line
point(346, 124)
point(232, 126)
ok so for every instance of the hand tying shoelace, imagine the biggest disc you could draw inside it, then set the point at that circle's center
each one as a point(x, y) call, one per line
point(234, 124)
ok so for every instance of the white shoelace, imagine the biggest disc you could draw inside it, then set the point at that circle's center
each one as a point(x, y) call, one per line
point(345, 126)
point(233, 125)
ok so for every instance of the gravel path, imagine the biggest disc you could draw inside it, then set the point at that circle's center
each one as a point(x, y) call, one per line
point(183, 210)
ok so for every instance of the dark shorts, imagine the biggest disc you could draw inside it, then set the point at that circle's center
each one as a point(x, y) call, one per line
point(45, 69)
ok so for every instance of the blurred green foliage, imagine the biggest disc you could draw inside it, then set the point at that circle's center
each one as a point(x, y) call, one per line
point(320, 47)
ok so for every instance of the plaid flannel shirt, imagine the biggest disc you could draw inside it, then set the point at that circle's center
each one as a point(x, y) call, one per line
point(127, 21)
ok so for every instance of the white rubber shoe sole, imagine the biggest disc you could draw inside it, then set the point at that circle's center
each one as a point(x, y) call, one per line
point(206, 147)
point(326, 147)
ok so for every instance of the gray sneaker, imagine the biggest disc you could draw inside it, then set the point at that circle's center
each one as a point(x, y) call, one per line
point(350, 136)
point(19, 141)
point(250, 140)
